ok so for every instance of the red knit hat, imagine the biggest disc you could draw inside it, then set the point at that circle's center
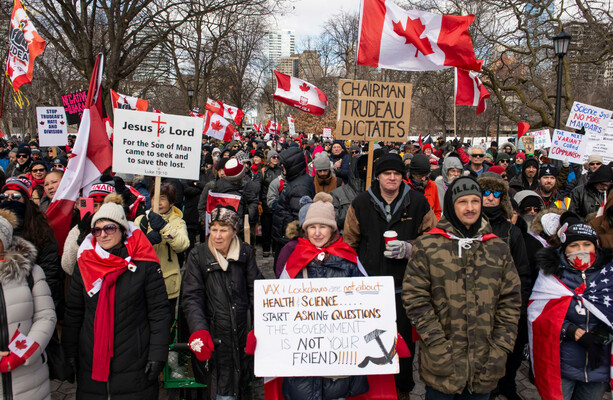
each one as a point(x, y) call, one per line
point(22, 185)
point(520, 155)
point(234, 169)
point(497, 169)
point(427, 146)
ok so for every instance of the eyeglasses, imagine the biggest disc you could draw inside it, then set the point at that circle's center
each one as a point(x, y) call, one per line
point(22, 156)
point(109, 229)
point(355, 152)
point(476, 155)
point(274, 157)
point(49, 150)
point(504, 161)
point(13, 196)
point(488, 192)
point(38, 170)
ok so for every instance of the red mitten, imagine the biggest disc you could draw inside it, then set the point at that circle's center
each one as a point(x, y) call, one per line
point(251, 343)
point(10, 362)
point(201, 344)
point(401, 347)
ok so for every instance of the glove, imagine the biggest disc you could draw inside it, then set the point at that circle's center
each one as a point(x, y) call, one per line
point(595, 350)
point(156, 222)
point(401, 347)
point(153, 369)
point(456, 144)
point(251, 343)
point(154, 237)
point(11, 362)
point(565, 163)
point(201, 344)
point(85, 227)
point(398, 249)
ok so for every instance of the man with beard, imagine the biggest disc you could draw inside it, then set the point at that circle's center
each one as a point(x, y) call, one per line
point(498, 210)
point(462, 293)
point(527, 180)
point(419, 179)
point(324, 180)
point(24, 161)
point(586, 199)
point(547, 186)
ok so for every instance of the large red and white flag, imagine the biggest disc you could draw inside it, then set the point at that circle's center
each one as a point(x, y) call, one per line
point(300, 94)
point(412, 40)
point(469, 90)
point(272, 127)
point(226, 111)
point(25, 44)
point(91, 155)
point(219, 199)
point(547, 309)
point(218, 127)
point(128, 102)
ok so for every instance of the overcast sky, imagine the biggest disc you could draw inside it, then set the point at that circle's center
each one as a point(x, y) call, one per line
point(307, 17)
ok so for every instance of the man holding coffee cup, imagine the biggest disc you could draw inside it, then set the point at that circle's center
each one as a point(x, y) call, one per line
point(389, 205)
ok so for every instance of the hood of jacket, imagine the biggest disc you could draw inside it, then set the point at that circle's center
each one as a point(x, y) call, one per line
point(18, 260)
point(537, 225)
point(508, 144)
point(498, 185)
point(174, 212)
point(551, 259)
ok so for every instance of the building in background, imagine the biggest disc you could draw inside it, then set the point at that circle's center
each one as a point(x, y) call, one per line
point(279, 43)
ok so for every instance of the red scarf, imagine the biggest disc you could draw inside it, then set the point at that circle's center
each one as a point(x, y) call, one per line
point(305, 252)
point(100, 271)
point(35, 182)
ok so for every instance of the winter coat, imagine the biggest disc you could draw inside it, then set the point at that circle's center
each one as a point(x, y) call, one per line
point(344, 171)
point(142, 333)
point(326, 185)
point(174, 241)
point(585, 199)
point(344, 195)
point(441, 187)
point(573, 357)
point(320, 388)
point(30, 311)
point(268, 174)
point(289, 204)
point(191, 196)
point(603, 225)
point(71, 248)
point(44, 203)
point(220, 302)
point(431, 194)
point(472, 173)
point(465, 309)
point(274, 190)
point(366, 222)
point(245, 188)
point(520, 182)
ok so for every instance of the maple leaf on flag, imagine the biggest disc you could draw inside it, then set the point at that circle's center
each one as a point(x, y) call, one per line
point(230, 111)
point(217, 126)
point(304, 87)
point(412, 35)
point(21, 344)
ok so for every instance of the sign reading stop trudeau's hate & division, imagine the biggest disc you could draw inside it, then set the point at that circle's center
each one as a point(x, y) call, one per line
point(373, 110)
point(52, 126)
point(325, 327)
point(154, 144)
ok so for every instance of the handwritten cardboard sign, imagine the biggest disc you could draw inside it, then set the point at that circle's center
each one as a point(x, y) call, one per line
point(373, 110)
point(325, 327)
point(566, 146)
point(528, 142)
point(327, 133)
point(73, 105)
point(593, 119)
point(154, 144)
point(542, 139)
point(599, 144)
point(52, 126)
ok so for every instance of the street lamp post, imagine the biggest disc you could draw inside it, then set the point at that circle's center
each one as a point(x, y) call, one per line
point(560, 48)
point(190, 95)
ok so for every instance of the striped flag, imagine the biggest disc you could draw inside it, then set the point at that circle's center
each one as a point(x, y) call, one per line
point(469, 90)
point(128, 102)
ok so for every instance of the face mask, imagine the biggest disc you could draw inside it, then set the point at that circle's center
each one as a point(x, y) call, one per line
point(581, 259)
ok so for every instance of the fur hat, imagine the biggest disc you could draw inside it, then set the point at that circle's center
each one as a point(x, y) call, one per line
point(537, 224)
point(321, 212)
point(112, 209)
point(8, 222)
point(227, 215)
point(497, 184)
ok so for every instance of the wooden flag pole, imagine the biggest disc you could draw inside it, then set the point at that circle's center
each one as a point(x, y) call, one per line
point(455, 121)
point(155, 205)
point(371, 157)
point(247, 230)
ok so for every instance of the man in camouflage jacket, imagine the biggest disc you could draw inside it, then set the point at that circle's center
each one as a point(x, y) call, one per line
point(461, 291)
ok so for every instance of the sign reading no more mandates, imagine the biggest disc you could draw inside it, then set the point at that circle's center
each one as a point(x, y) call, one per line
point(154, 144)
point(325, 327)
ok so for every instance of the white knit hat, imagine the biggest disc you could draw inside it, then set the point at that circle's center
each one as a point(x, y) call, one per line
point(112, 209)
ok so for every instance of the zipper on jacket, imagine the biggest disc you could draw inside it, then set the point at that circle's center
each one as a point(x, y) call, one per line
point(7, 380)
point(587, 328)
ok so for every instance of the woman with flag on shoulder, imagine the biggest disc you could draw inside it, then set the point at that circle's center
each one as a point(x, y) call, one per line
point(117, 321)
point(570, 315)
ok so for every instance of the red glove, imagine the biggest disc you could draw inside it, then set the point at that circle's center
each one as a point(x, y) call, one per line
point(401, 347)
point(10, 362)
point(251, 343)
point(201, 344)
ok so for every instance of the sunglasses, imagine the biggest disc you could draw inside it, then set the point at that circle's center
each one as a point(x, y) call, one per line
point(109, 229)
point(595, 163)
point(477, 155)
point(504, 161)
point(38, 170)
point(355, 152)
point(14, 196)
point(488, 192)
point(275, 157)
point(22, 156)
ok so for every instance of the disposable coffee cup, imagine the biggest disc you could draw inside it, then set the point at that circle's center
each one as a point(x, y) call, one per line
point(389, 236)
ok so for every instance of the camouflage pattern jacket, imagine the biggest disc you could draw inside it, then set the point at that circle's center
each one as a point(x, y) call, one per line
point(464, 302)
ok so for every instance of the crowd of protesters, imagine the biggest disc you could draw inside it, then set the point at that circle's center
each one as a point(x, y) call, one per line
point(479, 231)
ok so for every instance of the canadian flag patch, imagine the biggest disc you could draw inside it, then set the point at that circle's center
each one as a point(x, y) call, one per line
point(22, 346)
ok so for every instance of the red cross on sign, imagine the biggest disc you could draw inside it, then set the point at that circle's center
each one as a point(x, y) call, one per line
point(159, 123)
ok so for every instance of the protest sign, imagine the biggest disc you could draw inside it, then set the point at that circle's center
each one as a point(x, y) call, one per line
point(52, 126)
point(542, 139)
point(327, 133)
point(566, 146)
point(601, 145)
point(528, 142)
point(373, 110)
point(593, 119)
point(73, 105)
point(292, 128)
point(162, 145)
point(325, 327)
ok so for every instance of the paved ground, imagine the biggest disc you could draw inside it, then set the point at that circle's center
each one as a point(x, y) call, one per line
point(66, 391)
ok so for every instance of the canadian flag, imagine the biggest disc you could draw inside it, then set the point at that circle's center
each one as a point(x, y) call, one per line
point(22, 346)
point(218, 127)
point(226, 111)
point(412, 40)
point(469, 90)
point(300, 94)
point(219, 199)
point(25, 44)
point(91, 155)
point(257, 127)
point(128, 102)
point(272, 127)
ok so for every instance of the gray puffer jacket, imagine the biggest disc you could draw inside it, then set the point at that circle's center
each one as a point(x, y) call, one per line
point(33, 312)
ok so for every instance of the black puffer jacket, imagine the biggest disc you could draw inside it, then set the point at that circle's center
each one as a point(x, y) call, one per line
point(297, 184)
point(244, 188)
point(319, 388)
point(344, 195)
point(269, 174)
point(520, 182)
point(221, 301)
point(142, 333)
point(585, 199)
